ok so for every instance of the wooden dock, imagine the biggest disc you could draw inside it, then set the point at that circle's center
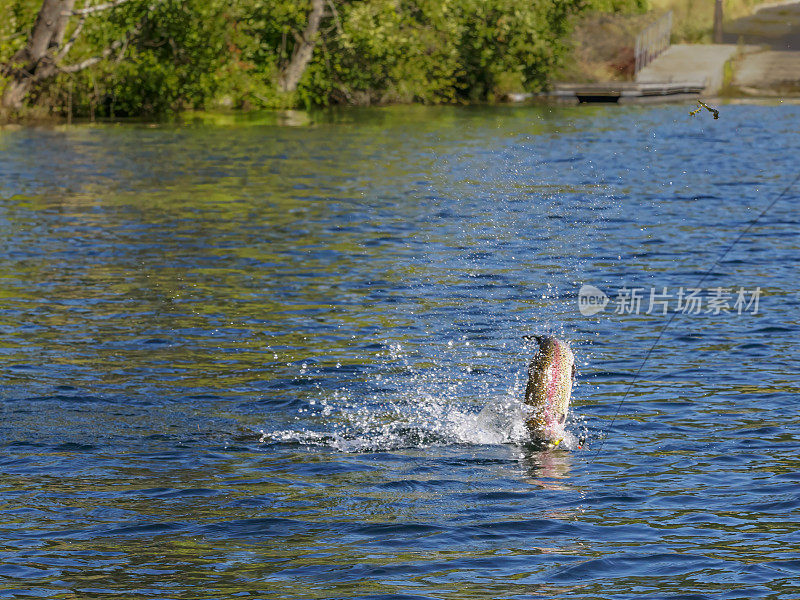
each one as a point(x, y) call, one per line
point(626, 91)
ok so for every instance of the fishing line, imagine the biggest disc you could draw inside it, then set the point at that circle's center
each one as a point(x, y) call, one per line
point(738, 238)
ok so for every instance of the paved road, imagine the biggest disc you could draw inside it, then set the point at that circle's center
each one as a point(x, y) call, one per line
point(776, 25)
point(768, 72)
point(775, 69)
point(765, 51)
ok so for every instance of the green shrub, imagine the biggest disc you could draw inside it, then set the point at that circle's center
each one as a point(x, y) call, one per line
point(206, 54)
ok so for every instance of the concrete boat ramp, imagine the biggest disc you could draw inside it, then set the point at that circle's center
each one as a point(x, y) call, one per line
point(763, 58)
point(682, 71)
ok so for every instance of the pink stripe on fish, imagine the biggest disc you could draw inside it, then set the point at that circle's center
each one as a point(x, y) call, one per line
point(553, 384)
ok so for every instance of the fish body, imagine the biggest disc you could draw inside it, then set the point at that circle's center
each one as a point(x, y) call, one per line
point(549, 389)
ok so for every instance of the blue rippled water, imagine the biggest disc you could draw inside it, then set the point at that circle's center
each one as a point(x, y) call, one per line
point(287, 362)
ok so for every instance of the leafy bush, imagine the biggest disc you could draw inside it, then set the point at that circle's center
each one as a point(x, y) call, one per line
point(199, 54)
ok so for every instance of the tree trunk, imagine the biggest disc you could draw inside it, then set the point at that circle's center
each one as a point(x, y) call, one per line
point(718, 22)
point(14, 93)
point(304, 49)
point(36, 61)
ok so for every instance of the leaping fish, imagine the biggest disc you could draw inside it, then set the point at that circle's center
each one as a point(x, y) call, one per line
point(549, 389)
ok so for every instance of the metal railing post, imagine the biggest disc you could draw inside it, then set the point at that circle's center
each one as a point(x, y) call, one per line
point(652, 41)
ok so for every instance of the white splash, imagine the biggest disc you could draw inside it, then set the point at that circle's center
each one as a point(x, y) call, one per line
point(413, 408)
point(414, 422)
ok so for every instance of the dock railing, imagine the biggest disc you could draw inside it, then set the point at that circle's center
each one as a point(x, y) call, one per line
point(652, 41)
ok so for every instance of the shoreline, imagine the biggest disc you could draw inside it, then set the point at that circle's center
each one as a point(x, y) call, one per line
point(345, 114)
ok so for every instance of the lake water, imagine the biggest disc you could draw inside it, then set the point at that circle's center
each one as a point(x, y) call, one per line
point(261, 361)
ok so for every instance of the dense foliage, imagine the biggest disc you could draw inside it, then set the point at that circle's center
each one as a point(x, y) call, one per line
point(222, 53)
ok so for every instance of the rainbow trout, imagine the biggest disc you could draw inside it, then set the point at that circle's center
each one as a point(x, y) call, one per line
point(549, 389)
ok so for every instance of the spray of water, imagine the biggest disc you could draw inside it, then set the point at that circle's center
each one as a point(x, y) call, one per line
point(408, 407)
point(499, 240)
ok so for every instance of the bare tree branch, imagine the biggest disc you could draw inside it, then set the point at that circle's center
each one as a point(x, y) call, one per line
point(122, 49)
point(98, 8)
point(85, 64)
point(75, 33)
point(335, 14)
point(121, 43)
